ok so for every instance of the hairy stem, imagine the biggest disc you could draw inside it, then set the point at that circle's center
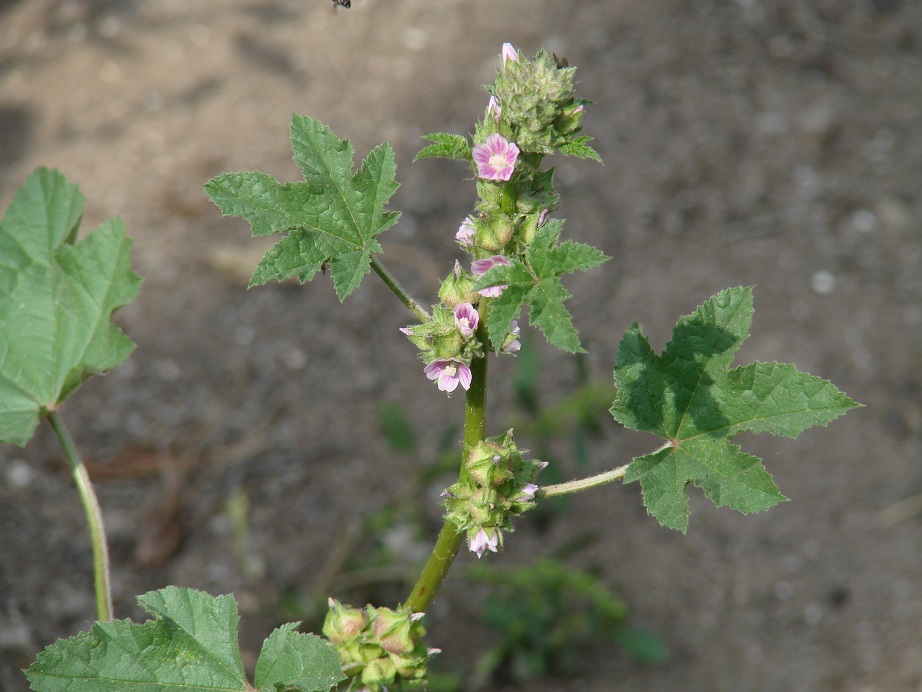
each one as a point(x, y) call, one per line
point(399, 291)
point(582, 483)
point(93, 517)
point(450, 538)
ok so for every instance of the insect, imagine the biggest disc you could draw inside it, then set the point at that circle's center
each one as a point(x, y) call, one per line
point(561, 62)
point(342, 3)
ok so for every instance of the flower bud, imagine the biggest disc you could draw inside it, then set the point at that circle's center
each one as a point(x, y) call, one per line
point(396, 631)
point(379, 673)
point(458, 288)
point(494, 233)
point(488, 464)
point(342, 623)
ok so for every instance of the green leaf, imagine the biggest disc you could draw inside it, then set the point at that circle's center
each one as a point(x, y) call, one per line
point(445, 146)
point(580, 149)
point(691, 397)
point(191, 644)
point(57, 296)
point(536, 281)
point(290, 660)
point(330, 218)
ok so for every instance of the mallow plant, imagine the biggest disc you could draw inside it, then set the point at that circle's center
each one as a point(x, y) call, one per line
point(58, 293)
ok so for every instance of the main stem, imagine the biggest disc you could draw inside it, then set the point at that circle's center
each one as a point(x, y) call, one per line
point(93, 517)
point(450, 538)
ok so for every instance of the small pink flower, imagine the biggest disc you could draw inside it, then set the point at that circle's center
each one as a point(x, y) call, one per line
point(542, 217)
point(509, 53)
point(466, 319)
point(495, 158)
point(449, 373)
point(528, 492)
point(515, 345)
point(494, 108)
point(482, 266)
point(482, 542)
point(465, 234)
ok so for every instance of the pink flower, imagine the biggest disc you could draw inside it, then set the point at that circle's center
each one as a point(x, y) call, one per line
point(509, 53)
point(466, 319)
point(494, 108)
point(482, 266)
point(482, 542)
point(515, 345)
point(528, 492)
point(465, 234)
point(449, 373)
point(495, 158)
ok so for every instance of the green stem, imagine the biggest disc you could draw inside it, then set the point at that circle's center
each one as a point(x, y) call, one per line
point(398, 290)
point(450, 538)
point(582, 483)
point(93, 517)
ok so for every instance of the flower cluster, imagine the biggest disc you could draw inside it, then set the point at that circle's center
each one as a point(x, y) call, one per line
point(531, 111)
point(533, 102)
point(446, 343)
point(378, 648)
point(498, 485)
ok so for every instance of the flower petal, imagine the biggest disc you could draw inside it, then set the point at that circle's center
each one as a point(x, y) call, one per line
point(464, 376)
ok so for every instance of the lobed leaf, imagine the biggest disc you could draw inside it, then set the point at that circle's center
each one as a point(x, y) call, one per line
point(445, 146)
point(57, 296)
point(535, 281)
point(580, 149)
point(330, 218)
point(691, 397)
point(290, 660)
point(191, 644)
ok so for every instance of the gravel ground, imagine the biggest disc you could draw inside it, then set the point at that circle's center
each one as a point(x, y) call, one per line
point(767, 142)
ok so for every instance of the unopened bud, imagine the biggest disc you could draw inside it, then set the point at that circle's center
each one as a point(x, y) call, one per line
point(343, 623)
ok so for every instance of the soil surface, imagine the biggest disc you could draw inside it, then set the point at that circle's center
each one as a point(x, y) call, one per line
point(767, 142)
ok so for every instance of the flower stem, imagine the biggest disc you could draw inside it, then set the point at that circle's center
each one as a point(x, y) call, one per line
point(93, 517)
point(398, 290)
point(450, 538)
point(582, 483)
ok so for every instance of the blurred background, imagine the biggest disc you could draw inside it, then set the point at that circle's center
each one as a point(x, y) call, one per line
point(277, 445)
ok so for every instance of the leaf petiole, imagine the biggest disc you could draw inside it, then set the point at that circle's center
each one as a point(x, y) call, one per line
point(399, 291)
point(93, 517)
point(559, 489)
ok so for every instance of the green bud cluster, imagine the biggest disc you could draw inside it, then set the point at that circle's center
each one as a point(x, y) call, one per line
point(378, 648)
point(533, 106)
point(539, 111)
point(439, 337)
point(494, 489)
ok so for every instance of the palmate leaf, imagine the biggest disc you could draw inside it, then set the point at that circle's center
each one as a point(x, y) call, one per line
point(691, 397)
point(57, 295)
point(580, 148)
point(536, 282)
point(330, 218)
point(191, 644)
point(445, 146)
